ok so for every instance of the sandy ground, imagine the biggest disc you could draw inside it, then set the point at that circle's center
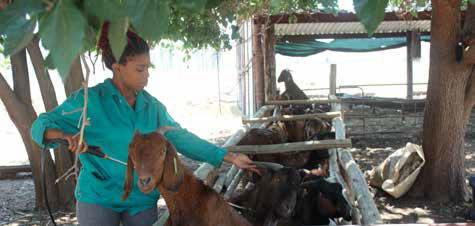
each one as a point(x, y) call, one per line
point(371, 149)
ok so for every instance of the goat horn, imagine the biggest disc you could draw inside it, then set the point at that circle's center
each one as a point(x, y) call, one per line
point(270, 165)
point(163, 129)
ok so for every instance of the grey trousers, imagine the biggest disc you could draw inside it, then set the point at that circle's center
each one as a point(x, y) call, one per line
point(92, 215)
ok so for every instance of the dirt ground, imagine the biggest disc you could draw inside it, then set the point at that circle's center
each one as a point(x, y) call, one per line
point(369, 149)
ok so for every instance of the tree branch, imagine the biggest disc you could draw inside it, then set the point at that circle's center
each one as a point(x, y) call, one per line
point(7, 95)
point(46, 86)
point(21, 81)
point(75, 78)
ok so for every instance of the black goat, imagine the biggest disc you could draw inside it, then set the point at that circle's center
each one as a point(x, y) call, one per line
point(291, 89)
point(271, 201)
point(319, 201)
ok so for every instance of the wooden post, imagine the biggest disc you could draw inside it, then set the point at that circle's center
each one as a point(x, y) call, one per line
point(310, 101)
point(369, 211)
point(258, 64)
point(409, 64)
point(312, 145)
point(269, 63)
point(325, 115)
point(333, 79)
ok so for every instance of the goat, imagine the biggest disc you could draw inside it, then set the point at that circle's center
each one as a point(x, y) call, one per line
point(317, 129)
point(272, 200)
point(189, 201)
point(274, 134)
point(319, 201)
point(291, 89)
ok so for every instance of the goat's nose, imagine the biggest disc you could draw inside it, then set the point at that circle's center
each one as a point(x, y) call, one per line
point(144, 181)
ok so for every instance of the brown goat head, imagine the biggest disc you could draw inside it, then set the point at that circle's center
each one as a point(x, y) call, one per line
point(156, 163)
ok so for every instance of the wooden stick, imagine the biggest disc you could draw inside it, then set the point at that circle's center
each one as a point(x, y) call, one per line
point(326, 115)
point(234, 184)
point(203, 171)
point(218, 186)
point(230, 175)
point(366, 205)
point(291, 147)
point(311, 101)
point(339, 176)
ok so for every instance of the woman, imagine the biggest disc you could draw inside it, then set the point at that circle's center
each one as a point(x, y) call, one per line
point(116, 108)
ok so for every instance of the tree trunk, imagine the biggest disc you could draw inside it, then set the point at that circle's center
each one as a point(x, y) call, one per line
point(63, 158)
point(75, 78)
point(442, 177)
point(19, 108)
point(469, 97)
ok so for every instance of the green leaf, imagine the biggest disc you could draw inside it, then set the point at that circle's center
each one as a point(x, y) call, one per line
point(105, 9)
point(149, 17)
point(48, 63)
point(17, 40)
point(235, 32)
point(195, 6)
point(472, 2)
point(422, 3)
point(90, 38)
point(212, 4)
point(275, 6)
point(370, 13)
point(62, 33)
point(117, 36)
point(15, 15)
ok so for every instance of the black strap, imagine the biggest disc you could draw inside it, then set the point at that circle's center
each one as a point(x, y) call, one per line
point(43, 178)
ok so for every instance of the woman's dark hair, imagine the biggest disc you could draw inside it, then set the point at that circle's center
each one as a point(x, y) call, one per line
point(135, 46)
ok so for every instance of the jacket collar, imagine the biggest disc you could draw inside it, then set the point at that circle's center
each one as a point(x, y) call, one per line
point(140, 103)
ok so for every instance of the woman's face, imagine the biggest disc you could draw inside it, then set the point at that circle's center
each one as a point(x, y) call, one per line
point(134, 74)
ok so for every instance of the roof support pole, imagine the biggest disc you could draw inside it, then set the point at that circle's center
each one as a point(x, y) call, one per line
point(258, 64)
point(410, 36)
point(269, 62)
point(333, 79)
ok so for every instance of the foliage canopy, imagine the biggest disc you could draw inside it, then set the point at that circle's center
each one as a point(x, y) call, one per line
point(70, 27)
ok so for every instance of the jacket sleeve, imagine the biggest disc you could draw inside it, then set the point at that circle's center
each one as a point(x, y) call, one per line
point(64, 117)
point(189, 144)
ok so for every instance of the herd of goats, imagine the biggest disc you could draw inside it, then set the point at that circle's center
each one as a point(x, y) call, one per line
point(291, 189)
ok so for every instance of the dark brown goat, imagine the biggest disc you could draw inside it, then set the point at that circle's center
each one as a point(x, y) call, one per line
point(319, 201)
point(272, 199)
point(189, 201)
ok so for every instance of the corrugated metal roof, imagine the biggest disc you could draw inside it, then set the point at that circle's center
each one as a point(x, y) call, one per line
point(386, 27)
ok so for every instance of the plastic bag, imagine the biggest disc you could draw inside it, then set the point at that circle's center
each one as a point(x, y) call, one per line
point(396, 174)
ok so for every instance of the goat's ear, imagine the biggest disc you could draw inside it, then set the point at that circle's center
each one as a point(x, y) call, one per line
point(174, 171)
point(129, 176)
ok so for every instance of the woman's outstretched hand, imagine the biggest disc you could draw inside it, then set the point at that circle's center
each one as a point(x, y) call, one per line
point(241, 161)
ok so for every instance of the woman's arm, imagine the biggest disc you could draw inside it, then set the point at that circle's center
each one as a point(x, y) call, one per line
point(59, 123)
point(196, 148)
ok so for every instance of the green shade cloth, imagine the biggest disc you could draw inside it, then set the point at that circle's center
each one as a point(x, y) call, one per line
point(307, 48)
point(112, 125)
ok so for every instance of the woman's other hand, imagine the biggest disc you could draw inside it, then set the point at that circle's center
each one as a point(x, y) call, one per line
point(73, 143)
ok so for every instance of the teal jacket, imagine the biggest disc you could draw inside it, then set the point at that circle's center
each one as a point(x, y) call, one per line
point(112, 124)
